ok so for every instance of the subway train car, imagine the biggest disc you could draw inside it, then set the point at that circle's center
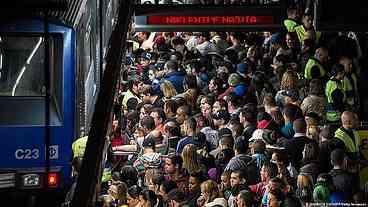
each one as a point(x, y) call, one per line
point(77, 43)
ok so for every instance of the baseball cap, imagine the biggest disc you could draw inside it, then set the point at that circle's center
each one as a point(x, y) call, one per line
point(149, 142)
point(225, 132)
point(146, 55)
point(222, 114)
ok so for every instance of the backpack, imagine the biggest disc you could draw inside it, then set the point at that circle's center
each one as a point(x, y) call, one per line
point(252, 169)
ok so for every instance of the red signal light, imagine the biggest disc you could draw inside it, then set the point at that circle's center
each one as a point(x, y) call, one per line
point(53, 179)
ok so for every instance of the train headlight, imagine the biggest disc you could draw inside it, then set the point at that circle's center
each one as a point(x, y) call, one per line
point(31, 180)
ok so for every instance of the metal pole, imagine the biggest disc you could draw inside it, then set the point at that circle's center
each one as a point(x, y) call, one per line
point(47, 99)
point(87, 179)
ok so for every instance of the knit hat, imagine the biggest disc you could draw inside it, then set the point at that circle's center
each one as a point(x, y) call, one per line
point(234, 79)
point(242, 68)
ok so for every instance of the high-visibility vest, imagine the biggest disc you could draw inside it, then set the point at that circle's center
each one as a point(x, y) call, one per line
point(79, 146)
point(332, 114)
point(351, 146)
point(350, 89)
point(308, 69)
point(300, 31)
point(129, 94)
point(290, 25)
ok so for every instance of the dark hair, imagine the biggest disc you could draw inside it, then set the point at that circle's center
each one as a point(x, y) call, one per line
point(199, 177)
point(271, 169)
point(158, 179)
point(299, 126)
point(160, 113)
point(131, 83)
point(242, 174)
point(148, 122)
point(227, 141)
point(337, 157)
point(129, 175)
point(192, 123)
point(171, 65)
point(237, 127)
point(292, 112)
point(177, 41)
point(150, 196)
point(282, 157)
point(176, 160)
point(134, 191)
point(171, 104)
point(168, 185)
point(311, 152)
point(337, 68)
point(132, 104)
point(249, 115)
point(176, 195)
point(241, 145)
point(190, 81)
point(247, 197)
point(316, 87)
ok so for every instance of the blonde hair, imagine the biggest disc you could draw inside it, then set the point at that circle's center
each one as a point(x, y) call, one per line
point(168, 89)
point(190, 159)
point(210, 187)
point(289, 80)
point(304, 181)
point(190, 97)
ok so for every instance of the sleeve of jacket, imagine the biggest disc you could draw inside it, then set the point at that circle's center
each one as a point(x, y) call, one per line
point(338, 99)
point(315, 72)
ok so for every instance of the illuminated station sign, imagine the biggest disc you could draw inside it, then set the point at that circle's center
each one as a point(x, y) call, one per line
point(209, 20)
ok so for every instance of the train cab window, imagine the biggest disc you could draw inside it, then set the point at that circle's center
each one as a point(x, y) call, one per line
point(22, 84)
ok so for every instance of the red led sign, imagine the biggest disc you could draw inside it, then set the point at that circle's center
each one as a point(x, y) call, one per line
point(209, 20)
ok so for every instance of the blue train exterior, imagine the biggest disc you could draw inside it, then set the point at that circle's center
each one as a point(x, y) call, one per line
point(23, 142)
point(78, 43)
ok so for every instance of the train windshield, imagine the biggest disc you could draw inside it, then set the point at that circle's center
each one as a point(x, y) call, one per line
point(22, 66)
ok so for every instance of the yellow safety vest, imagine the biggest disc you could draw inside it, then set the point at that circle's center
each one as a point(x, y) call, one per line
point(350, 89)
point(300, 31)
point(348, 141)
point(79, 146)
point(127, 96)
point(332, 114)
point(290, 25)
point(308, 69)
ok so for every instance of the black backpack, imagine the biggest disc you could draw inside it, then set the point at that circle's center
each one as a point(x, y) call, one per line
point(252, 169)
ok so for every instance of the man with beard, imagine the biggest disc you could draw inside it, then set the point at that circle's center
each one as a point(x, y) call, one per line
point(238, 182)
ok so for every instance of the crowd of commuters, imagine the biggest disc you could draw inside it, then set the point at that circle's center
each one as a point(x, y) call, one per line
point(238, 119)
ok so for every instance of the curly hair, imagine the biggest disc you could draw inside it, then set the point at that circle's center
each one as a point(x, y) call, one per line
point(289, 80)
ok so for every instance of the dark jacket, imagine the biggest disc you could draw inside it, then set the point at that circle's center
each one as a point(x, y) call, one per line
point(246, 163)
point(344, 182)
point(176, 78)
point(295, 147)
point(325, 149)
point(311, 168)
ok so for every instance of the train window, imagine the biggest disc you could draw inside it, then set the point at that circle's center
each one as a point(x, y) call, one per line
point(22, 66)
